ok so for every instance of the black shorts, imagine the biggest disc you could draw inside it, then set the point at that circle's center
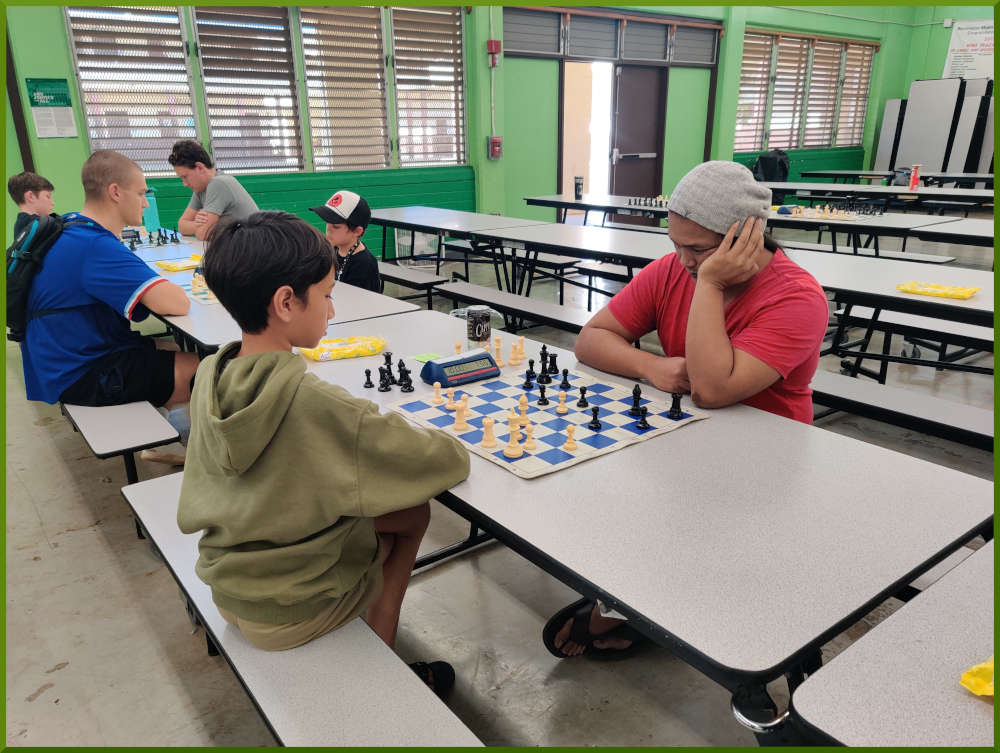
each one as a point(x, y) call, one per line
point(126, 376)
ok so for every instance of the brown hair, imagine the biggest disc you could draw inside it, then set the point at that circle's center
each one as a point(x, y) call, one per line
point(104, 168)
point(18, 185)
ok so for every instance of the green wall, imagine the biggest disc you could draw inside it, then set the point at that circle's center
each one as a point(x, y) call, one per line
point(12, 165)
point(531, 136)
point(687, 105)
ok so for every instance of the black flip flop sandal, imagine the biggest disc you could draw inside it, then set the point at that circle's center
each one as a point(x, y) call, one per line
point(579, 613)
point(437, 675)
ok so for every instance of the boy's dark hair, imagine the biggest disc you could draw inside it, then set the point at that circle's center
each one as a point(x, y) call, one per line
point(246, 261)
point(187, 152)
point(18, 185)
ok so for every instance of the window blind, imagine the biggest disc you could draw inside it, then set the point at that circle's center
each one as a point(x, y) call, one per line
point(531, 31)
point(645, 41)
point(430, 87)
point(822, 102)
point(591, 37)
point(693, 45)
point(246, 62)
point(346, 87)
point(751, 107)
point(854, 96)
point(136, 96)
point(788, 99)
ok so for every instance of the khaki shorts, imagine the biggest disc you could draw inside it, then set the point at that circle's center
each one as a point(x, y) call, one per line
point(281, 637)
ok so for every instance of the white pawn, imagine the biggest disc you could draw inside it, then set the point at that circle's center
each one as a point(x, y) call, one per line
point(458, 347)
point(570, 442)
point(451, 404)
point(489, 440)
point(561, 409)
point(529, 443)
point(437, 399)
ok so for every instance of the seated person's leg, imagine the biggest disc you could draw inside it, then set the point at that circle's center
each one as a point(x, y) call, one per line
point(185, 365)
point(399, 534)
point(131, 375)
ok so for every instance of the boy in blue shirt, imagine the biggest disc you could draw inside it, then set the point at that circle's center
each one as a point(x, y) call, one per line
point(78, 347)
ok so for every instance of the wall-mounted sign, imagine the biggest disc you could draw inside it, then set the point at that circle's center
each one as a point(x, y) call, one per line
point(51, 107)
point(970, 54)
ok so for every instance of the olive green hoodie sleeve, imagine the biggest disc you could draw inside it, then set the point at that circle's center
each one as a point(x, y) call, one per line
point(401, 465)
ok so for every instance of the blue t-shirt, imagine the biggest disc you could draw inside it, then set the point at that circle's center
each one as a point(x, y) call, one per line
point(88, 269)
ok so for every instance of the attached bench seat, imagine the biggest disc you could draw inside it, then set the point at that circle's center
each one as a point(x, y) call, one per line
point(923, 413)
point(605, 271)
point(638, 228)
point(546, 266)
point(415, 279)
point(515, 307)
point(346, 688)
point(848, 250)
point(925, 327)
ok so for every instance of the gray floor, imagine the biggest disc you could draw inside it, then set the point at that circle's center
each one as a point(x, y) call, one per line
point(100, 652)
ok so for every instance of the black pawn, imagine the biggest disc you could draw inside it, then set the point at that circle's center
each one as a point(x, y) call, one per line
point(642, 423)
point(565, 382)
point(675, 411)
point(582, 402)
point(530, 373)
point(368, 379)
point(553, 369)
point(527, 381)
point(542, 400)
point(594, 423)
point(636, 394)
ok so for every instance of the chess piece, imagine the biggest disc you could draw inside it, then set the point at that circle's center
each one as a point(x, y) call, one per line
point(513, 449)
point(497, 357)
point(458, 347)
point(636, 394)
point(451, 404)
point(465, 402)
point(387, 355)
point(383, 380)
point(460, 423)
point(553, 369)
point(561, 409)
point(515, 357)
point(489, 441)
point(642, 423)
point(437, 399)
point(527, 381)
point(582, 402)
point(368, 379)
point(542, 400)
point(675, 413)
point(529, 443)
point(595, 424)
point(523, 405)
point(565, 381)
point(570, 442)
point(530, 374)
point(514, 425)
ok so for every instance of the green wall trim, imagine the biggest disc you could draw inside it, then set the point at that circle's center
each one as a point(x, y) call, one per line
point(684, 135)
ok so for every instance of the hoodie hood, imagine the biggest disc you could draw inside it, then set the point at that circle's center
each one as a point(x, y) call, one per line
point(243, 402)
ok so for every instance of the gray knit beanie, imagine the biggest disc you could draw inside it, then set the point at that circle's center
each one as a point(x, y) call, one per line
point(716, 194)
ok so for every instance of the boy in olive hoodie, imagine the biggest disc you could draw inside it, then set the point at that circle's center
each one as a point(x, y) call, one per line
point(312, 504)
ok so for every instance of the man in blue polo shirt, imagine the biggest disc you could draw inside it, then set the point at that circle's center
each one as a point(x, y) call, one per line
point(78, 347)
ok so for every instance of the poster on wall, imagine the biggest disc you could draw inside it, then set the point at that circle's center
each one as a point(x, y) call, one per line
point(51, 108)
point(970, 54)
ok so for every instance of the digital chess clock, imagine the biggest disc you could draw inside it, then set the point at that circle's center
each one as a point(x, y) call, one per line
point(451, 371)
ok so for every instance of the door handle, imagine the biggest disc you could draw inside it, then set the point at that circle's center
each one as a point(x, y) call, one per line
point(638, 155)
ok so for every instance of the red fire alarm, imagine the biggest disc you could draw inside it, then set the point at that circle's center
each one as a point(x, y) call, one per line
point(494, 147)
point(493, 49)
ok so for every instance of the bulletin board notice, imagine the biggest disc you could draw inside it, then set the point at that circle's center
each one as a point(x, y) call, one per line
point(970, 54)
point(51, 107)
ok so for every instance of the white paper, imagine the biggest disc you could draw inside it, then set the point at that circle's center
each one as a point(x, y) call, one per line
point(970, 54)
point(54, 122)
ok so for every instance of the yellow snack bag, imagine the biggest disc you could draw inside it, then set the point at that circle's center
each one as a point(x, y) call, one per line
point(979, 679)
point(335, 348)
point(179, 265)
point(939, 291)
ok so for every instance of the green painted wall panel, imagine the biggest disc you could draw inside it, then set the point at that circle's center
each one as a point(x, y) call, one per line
point(12, 165)
point(531, 135)
point(687, 108)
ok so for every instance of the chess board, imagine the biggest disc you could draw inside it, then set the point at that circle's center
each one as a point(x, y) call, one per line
point(200, 294)
point(495, 398)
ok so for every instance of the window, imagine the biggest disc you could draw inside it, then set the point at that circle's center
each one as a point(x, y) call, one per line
point(134, 84)
point(430, 85)
point(246, 62)
point(345, 83)
point(801, 92)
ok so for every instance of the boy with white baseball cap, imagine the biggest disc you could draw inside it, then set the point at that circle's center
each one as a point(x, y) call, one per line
point(347, 215)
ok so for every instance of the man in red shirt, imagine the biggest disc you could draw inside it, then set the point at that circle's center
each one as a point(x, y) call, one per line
point(738, 322)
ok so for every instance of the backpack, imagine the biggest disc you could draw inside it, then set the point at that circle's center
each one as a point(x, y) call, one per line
point(772, 166)
point(24, 260)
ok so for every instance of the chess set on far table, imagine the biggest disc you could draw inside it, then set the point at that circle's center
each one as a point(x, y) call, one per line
point(842, 211)
point(198, 289)
point(537, 422)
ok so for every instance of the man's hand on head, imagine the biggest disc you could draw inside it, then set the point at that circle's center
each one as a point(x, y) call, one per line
point(738, 258)
point(669, 374)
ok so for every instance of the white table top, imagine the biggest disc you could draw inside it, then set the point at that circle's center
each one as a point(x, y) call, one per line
point(452, 221)
point(899, 683)
point(852, 274)
point(318, 694)
point(597, 201)
point(970, 229)
point(955, 194)
point(212, 326)
point(890, 222)
point(188, 245)
point(586, 242)
point(110, 429)
point(736, 535)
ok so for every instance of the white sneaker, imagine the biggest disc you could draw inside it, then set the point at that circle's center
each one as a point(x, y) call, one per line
point(171, 454)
